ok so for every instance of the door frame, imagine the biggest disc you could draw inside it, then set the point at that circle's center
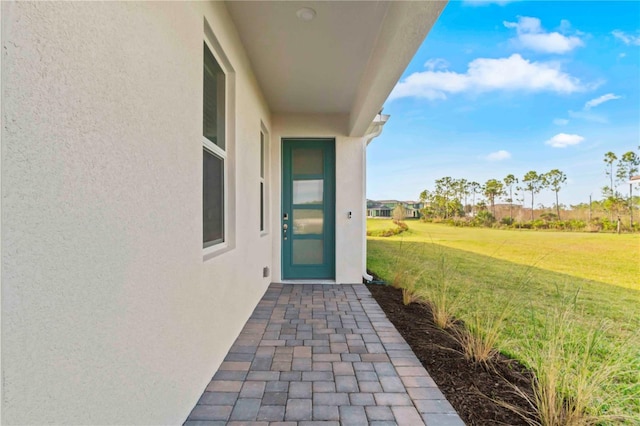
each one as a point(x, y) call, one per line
point(326, 271)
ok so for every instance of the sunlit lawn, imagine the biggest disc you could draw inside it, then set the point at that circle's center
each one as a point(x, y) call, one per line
point(535, 273)
point(607, 258)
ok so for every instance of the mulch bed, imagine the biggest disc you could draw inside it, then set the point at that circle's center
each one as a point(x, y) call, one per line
point(470, 388)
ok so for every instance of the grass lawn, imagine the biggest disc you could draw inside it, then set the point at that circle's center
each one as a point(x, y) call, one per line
point(534, 274)
point(379, 224)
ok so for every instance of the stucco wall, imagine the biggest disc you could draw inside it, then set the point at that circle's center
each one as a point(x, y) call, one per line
point(110, 314)
point(350, 169)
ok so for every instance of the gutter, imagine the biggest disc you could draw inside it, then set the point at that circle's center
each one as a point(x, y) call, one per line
point(374, 130)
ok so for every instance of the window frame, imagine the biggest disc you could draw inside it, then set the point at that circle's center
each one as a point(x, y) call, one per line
point(264, 180)
point(227, 154)
point(223, 158)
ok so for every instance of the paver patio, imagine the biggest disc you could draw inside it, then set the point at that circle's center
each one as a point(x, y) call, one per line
point(321, 354)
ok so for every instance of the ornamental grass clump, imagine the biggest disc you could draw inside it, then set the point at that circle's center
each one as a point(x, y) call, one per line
point(571, 370)
point(482, 331)
point(439, 291)
point(410, 294)
point(407, 281)
point(406, 274)
point(479, 336)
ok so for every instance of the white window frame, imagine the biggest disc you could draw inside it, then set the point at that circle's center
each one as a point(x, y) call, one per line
point(226, 154)
point(264, 178)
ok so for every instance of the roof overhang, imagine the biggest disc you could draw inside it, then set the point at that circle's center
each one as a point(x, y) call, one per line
point(346, 60)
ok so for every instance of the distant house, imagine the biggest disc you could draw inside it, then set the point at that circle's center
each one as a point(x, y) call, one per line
point(384, 208)
point(376, 209)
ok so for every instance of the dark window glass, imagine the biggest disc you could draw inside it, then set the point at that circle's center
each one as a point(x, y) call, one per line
point(262, 206)
point(213, 199)
point(261, 154)
point(213, 100)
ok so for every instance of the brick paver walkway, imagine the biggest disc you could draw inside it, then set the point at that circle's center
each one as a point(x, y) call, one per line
point(321, 354)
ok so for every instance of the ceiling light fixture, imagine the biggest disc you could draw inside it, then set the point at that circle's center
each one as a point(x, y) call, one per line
point(306, 14)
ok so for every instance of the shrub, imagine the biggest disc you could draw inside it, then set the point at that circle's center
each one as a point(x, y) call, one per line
point(402, 225)
point(483, 218)
point(549, 217)
point(398, 229)
point(539, 224)
point(606, 224)
point(577, 224)
point(507, 221)
point(594, 226)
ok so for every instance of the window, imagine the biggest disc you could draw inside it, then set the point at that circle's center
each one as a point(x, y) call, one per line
point(262, 184)
point(214, 156)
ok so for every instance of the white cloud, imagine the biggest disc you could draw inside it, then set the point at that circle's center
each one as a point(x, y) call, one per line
point(486, 74)
point(563, 140)
point(565, 25)
point(589, 116)
point(436, 64)
point(560, 121)
point(627, 39)
point(602, 99)
point(532, 36)
point(498, 155)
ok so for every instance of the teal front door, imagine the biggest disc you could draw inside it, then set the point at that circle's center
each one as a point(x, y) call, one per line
point(308, 209)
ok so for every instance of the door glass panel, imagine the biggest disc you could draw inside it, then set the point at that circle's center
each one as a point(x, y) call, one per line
point(307, 191)
point(307, 161)
point(307, 221)
point(307, 252)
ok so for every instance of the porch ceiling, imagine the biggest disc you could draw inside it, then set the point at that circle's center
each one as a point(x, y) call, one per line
point(344, 61)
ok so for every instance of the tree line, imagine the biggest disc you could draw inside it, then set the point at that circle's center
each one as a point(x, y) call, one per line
point(449, 197)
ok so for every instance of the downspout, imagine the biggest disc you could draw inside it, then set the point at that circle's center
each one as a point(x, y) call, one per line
point(374, 130)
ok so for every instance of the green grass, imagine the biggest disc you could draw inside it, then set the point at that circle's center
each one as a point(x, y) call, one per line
point(607, 258)
point(379, 224)
point(383, 228)
point(597, 276)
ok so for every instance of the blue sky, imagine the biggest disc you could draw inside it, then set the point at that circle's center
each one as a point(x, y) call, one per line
point(508, 87)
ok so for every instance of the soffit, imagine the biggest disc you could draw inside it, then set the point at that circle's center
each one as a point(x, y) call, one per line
point(308, 67)
point(344, 61)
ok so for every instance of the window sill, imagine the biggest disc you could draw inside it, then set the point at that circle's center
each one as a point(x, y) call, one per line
point(209, 253)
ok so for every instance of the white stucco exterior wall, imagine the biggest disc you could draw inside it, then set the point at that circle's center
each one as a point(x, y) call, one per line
point(350, 169)
point(110, 314)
